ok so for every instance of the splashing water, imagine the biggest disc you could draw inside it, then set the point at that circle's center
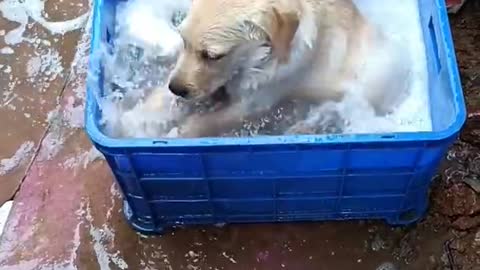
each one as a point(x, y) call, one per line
point(144, 51)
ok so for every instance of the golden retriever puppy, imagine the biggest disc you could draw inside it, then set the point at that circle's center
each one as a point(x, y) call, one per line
point(263, 51)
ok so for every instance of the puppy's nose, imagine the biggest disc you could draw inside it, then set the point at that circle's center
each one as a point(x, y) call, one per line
point(178, 89)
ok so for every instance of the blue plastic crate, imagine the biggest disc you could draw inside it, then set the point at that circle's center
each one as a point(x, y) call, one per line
point(167, 182)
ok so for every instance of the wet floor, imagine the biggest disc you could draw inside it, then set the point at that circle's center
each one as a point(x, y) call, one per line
point(67, 213)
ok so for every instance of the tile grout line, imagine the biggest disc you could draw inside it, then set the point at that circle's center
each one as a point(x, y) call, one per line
point(40, 143)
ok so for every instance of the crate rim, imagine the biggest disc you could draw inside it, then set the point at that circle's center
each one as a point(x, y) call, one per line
point(98, 137)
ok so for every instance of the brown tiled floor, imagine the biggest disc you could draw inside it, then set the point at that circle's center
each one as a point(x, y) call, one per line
point(27, 97)
point(67, 214)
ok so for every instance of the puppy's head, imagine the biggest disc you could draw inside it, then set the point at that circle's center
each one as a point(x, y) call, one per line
point(223, 37)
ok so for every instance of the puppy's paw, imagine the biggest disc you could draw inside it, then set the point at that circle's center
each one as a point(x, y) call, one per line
point(204, 125)
point(301, 128)
point(194, 127)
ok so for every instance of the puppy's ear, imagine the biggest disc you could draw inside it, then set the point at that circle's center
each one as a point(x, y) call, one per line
point(284, 25)
point(256, 32)
point(277, 29)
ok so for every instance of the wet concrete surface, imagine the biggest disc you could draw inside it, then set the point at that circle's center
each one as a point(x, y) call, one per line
point(68, 212)
point(27, 95)
point(32, 76)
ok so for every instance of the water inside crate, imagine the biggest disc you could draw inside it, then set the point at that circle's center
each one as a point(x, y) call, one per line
point(145, 47)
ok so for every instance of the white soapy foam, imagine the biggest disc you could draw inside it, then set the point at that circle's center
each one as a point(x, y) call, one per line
point(7, 69)
point(402, 24)
point(145, 51)
point(80, 60)
point(125, 115)
point(7, 50)
point(73, 114)
point(44, 66)
point(34, 65)
point(74, 110)
point(51, 64)
point(46, 60)
point(53, 142)
point(4, 212)
point(21, 156)
point(102, 239)
point(154, 35)
point(83, 160)
point(45, 63)
point(20, 12)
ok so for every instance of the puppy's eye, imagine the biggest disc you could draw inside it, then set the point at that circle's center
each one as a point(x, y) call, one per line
point(206, 55)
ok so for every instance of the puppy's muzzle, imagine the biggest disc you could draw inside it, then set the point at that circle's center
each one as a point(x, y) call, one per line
point(220, 95)
point(178, 89)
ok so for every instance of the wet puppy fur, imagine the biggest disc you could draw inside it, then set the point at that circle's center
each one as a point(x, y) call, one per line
point(258, 53)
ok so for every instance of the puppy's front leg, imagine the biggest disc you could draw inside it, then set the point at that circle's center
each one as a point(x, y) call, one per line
point(320, 120)
point(213, 123)
point(301, 128)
